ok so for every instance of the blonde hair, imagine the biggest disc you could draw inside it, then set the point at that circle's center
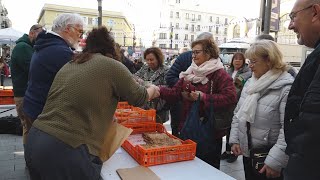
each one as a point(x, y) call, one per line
point(267, 49)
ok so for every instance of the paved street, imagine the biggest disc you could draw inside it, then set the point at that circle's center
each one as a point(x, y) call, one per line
point(12, 164)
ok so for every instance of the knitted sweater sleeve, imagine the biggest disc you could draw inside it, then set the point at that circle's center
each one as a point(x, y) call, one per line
point(126, 87)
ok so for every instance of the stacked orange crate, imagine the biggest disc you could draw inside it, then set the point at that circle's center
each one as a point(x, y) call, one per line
point(6, 97)
point(144, 121)
point(127, 114)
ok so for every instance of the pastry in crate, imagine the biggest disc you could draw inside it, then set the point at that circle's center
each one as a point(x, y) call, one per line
point(156, 139)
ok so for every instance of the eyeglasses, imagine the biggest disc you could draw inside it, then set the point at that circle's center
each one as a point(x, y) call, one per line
point(196, 52)
point(252, 63)
point(80, 31)
point(292, 15)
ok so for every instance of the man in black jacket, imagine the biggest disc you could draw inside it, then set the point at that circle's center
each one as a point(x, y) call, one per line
point(302, 113)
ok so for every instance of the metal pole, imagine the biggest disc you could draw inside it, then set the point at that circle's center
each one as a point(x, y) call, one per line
point(262, 11)
point(124, 40)
point(266, 24)
point(171, 37)
point(134, 39)
point(100, 13)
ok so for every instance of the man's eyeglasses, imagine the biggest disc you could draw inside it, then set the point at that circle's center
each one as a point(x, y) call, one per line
point(292, 15)
point(196, 52)
point(80, 31)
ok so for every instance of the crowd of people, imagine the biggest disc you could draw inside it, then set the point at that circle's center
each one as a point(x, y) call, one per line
point(66, 100)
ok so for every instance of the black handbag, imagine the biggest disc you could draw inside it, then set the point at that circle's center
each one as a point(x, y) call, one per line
point(257, 155)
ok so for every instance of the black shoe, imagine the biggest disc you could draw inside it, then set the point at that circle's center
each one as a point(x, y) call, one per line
point(232, 158)
point(225, 155)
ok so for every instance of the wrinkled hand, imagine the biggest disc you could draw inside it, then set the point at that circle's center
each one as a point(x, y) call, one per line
point(186, 95)
point(236, 149)
point(196, 94)
point(153, 91)
point(270, 173)
point(238, 83)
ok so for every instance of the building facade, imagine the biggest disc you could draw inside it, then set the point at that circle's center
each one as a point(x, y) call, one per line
point(286, 36)
point(4, 20)
point(122, 30)
point(180, 23)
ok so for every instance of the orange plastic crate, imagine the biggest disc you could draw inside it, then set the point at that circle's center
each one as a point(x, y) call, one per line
point(6, 92)
point(156, 156)
point(4, 100)
point(127, 114)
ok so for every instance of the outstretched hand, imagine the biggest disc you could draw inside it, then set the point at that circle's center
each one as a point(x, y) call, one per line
point(153, 92)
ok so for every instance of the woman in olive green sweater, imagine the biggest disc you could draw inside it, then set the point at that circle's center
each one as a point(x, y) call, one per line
point(65, 140)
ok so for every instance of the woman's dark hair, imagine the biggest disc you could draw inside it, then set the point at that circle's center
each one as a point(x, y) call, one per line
point(209, 47)
point(238, 55)
point(101, 41)
point(156, 52)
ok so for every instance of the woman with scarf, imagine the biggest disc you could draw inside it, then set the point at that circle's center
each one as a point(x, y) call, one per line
point(206, 78)
point(260, 110)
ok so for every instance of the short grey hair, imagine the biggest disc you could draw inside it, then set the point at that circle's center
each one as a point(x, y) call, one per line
point(204, 35)
point(65, 19)
point(264, 36)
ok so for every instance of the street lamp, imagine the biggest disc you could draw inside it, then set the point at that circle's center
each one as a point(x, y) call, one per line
point(134, 39)
point(171, 37)
point(100, 13)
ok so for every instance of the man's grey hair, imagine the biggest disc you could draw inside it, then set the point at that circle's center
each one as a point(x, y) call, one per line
point(65, 19)
point(204, 35)
point(264, 36)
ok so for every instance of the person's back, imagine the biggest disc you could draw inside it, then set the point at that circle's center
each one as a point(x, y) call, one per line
point(72, 133)
point(20, 62)
point(129, 64)
point(91, 95)
point(182, 62)
point(52, 51)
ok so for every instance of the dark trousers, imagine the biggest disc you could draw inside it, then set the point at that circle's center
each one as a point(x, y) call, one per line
point(1, 79)
point(213, 158)
point(48, 158)
point(228, 147)
point(298, 169)
point(249, 173)
point(175, 112)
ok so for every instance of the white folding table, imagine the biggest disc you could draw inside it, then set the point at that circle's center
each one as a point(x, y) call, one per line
point(185, 170)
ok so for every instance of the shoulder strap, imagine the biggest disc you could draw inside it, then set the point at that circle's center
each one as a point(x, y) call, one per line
point(249, 136)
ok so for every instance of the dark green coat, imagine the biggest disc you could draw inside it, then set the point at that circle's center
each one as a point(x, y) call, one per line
point(20, 62)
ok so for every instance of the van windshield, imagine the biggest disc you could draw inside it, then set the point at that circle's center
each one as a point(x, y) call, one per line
point(227, 53)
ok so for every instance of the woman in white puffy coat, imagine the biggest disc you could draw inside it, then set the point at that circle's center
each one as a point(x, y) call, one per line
point(262, 104)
